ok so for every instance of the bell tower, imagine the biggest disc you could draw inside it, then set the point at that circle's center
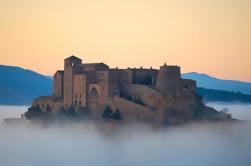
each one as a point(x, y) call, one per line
point(69, 63)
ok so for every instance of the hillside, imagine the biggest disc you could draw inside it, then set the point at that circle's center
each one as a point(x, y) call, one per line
point(210, 82)
point(222, 96)
point(19, 86)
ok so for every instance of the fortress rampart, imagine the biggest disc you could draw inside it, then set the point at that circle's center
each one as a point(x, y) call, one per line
point(139, 94)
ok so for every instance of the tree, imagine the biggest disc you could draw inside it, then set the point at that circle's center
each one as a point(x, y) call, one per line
point(33, 112)
point(107, 113)
point(117, 115)
point(48, 108)
point(82, 112)
point(62, 112)
point(71, 112)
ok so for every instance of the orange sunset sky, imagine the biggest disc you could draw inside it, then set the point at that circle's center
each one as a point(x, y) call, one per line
point(207, 36)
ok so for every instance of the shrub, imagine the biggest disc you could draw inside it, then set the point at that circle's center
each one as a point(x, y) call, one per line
point(62, 112)
point(71, 112)
point(117, 115)
point(33, 112)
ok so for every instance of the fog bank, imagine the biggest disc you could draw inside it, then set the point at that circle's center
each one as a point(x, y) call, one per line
point(92, 144)
point(239, 111)
point(87, 144)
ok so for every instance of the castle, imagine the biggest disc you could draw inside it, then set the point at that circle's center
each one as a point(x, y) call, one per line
point(140, 94)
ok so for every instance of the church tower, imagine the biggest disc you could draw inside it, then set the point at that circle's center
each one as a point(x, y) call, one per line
point(69, 63)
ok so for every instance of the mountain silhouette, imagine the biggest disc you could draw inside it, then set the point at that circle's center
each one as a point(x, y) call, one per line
point(19, 86)
point(209, 82)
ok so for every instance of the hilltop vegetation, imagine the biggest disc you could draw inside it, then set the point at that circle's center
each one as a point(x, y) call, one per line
point(223, 96)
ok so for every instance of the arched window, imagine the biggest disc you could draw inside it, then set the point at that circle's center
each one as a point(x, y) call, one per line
point(94, 95)
point(94, 92)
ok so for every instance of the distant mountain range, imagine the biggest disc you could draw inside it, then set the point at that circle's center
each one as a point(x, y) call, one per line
point(19, 86)
point(209, 82)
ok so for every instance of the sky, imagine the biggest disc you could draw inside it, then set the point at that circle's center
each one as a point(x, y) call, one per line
point(210, 36)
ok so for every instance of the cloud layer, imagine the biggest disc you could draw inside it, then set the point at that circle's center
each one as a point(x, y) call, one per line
point(91, 144)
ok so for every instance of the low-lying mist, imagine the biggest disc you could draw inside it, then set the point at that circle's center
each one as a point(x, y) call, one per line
point(240, 111)
point(219, 144)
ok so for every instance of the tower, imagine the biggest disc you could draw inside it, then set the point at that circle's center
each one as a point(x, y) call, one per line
point(169, 79)
point(69, 63)
point(58, 82)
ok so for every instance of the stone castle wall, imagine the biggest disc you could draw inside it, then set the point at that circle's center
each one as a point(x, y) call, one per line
point(43, 101)
point(58, 83)
point(149, 96)
point(144, 76)
point(79, 90)
point(134, 112)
